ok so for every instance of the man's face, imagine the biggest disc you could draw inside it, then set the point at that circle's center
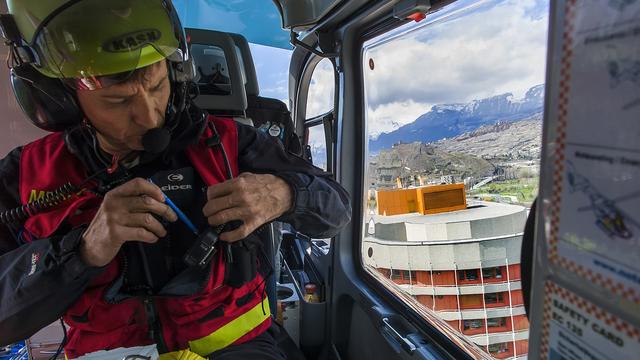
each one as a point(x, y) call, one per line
point(123, 113)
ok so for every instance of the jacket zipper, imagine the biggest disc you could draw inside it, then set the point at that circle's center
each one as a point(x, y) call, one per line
point(153, 324)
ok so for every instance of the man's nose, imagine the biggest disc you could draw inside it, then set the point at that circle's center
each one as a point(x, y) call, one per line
point(143, 111)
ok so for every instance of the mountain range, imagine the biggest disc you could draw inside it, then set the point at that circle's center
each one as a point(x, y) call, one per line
point(516, 140)
point(451, 120)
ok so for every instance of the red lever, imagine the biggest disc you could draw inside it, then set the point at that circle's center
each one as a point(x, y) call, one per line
point(417, 16)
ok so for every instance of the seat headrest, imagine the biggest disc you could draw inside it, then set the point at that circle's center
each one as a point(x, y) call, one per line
point(219, 73)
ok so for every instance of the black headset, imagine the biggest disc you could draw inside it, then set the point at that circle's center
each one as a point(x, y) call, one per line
point(51, 105)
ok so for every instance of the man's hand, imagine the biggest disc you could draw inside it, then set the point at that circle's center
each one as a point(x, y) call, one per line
point(125, 215)
point(255, 199)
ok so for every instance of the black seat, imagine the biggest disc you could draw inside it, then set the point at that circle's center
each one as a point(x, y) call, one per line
point(228, 84)
point(274, 118)
point(269, 115)
point(224, 94)
point(231, 89)
point(218, 73)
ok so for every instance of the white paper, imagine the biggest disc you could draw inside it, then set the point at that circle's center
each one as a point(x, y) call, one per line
point(579, 330)
point(599, 221)
point(139, 352)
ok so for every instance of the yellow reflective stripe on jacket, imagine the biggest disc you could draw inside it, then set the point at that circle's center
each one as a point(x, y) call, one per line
point(232, 331)
point(181, 355)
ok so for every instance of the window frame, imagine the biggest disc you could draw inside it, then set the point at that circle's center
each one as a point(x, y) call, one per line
point(371, 286)
point(504, 347)
point(502, 322)
point(327, 121)
point(479, 321)
point(464, 275)
point(492, 272)
point(329, 118)
point(454, 348)
point(499, 298)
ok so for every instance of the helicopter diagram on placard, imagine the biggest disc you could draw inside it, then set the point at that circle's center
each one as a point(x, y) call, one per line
point(620, 5)
point(624, 70)
point(614, 222)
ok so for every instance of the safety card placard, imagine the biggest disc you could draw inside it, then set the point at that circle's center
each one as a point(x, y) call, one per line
point(573, 328)
point(595, 222)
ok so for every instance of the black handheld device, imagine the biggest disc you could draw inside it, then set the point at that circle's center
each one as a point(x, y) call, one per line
point(204, 247)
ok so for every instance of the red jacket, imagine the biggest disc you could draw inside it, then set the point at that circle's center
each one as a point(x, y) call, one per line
point(216, 317)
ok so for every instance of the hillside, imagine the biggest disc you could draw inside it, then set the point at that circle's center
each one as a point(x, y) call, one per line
point(472, 154)
point(518, 140)
point(426, 159)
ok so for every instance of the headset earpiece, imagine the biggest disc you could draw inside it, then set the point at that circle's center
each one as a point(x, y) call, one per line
point(52, 106)
point(45, 101)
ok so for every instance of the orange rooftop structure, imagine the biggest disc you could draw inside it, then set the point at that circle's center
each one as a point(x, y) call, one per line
point(432, 199)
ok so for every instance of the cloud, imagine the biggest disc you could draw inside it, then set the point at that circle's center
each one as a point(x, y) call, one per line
point(388, 117)
point(316, 137)
point(278, 88)
point(479, 52)
point(321, 90)
point(485, 51)
point(272, 69)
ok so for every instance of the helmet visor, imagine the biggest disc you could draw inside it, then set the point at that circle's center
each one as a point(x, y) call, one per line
point(95, 43)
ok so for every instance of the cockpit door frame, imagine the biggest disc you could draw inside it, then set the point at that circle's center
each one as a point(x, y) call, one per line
point(363, 320)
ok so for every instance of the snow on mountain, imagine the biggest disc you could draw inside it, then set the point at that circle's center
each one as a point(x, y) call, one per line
point(450, 120)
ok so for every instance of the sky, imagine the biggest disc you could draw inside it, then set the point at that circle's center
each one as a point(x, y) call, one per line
point(272, 69)
point(470, 50)
point(468, 53)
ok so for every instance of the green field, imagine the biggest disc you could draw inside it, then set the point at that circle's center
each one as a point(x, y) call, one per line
point(525, 189)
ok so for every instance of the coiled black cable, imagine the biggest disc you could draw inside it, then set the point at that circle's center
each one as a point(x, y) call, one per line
point(44, 203)
point(56, 197)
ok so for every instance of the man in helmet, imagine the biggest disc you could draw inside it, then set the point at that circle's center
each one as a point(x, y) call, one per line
point(92, 236)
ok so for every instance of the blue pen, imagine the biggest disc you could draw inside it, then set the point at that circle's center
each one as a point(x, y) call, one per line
point(179, 212)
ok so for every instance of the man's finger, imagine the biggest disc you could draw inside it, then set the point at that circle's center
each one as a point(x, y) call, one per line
point(139, 186)
point(227, 187)
point(147, 221)
point(227, 215)
point(136, 234)
point(216, 205)
point(145, 204)
point(222, 189)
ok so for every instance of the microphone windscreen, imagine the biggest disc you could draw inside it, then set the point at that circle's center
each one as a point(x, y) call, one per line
point(156, 140)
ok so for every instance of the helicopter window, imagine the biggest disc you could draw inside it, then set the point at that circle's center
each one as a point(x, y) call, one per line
point(321, 90)
point(320, 104)
point(272, 71)
point(454, 108)
point(317, 143)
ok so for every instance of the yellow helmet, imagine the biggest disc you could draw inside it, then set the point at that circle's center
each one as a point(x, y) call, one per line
point(87, 39)
point(89, 44)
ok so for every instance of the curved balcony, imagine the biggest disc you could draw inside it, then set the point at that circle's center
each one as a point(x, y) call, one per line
point(496, 338)
point(462, 289)
point(450, 315)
